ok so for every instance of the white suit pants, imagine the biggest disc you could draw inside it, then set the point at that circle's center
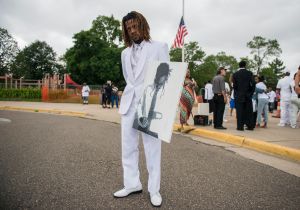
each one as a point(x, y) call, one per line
point(295, 107)
point(130, 154)
point(285, 112)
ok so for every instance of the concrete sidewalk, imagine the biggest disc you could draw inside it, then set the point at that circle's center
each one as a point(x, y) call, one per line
point(284, 136)
point(284, 140)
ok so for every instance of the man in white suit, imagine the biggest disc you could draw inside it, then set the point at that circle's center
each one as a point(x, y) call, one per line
point(140, 49)
point(283, 86)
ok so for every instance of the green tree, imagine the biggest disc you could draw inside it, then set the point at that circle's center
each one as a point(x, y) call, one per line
point(250, 64)
point(263, 49)
point(273, 72)
point(277, 66)
point(207, 70)
point(193, 55)
point(35, 60)
point(175, 54)
point(227, 61)
point(8, 51)
point(107, 29)
point(270, 77)
point(62, 67)
point(95, 56)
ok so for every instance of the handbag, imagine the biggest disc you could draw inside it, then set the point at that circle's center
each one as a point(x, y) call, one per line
point(201, 120)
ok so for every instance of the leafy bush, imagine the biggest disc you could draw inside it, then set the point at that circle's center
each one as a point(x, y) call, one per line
point(22, 94)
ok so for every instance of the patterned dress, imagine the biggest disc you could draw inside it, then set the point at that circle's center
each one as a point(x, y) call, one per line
point(186, 101)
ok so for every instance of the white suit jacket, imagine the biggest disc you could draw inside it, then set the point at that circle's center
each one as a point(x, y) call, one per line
point(152, 51)
point(284, 86)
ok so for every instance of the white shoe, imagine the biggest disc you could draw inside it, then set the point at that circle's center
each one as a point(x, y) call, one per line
point(281, 125)
point(125, 192)
point(156, 199)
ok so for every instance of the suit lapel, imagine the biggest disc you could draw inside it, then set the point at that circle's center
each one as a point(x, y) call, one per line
point(129, 70)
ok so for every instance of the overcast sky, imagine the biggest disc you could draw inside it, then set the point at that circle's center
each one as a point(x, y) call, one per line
point(217, 25)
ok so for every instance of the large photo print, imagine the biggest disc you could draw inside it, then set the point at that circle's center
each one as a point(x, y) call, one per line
point(157, 108)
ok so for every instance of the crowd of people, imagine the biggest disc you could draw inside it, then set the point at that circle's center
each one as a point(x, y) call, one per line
point(249, 96)
point(252, 99)
point(246, 93)
point(108, 95)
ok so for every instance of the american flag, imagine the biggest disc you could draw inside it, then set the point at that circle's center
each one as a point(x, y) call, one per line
point(181, 33)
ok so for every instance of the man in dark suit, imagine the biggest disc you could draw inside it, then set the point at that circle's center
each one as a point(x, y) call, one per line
point(244, 87)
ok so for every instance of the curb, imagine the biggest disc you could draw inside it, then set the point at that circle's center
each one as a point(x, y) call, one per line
point(242, 141)
point(52, 111)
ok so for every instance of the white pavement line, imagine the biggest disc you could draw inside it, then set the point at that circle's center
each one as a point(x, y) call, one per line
point(4, 120)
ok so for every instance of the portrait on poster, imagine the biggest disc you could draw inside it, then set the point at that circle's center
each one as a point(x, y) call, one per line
point(157, 107)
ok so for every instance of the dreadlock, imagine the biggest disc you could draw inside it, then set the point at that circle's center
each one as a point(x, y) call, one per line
point(163, 70)
point(142, 24)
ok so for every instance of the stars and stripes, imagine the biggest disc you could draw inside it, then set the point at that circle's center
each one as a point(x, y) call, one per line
point(181, 33)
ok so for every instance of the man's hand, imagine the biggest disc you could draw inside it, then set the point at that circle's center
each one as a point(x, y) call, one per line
point(143, 122)
point(225, 96)
point(225, 99)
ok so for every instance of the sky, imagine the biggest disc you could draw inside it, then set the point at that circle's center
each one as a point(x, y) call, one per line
point(217, 25)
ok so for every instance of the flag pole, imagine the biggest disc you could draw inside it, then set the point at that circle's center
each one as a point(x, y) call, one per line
point(182, 52)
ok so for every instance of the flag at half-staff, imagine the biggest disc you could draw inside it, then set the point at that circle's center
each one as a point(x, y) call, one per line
point(181, 33)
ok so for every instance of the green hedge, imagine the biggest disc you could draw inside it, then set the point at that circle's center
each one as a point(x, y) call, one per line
point(21, 94)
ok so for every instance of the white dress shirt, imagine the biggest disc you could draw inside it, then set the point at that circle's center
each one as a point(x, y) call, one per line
point(272, 96)
point(208, 92)
point(284, 86)
point(135, 55)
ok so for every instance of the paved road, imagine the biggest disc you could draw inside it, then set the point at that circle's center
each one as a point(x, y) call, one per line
point(57, 162)
point(284, 136)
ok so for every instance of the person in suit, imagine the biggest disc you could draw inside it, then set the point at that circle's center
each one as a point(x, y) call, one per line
point(295, 103)
point(283, 86)
point(140, 49)
point(244, 87)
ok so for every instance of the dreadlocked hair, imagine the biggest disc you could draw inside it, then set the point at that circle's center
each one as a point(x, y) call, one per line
point(162, 70)
point(142, 24)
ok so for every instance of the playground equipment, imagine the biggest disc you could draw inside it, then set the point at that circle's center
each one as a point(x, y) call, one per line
point(50, 81)
point(10, 82)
